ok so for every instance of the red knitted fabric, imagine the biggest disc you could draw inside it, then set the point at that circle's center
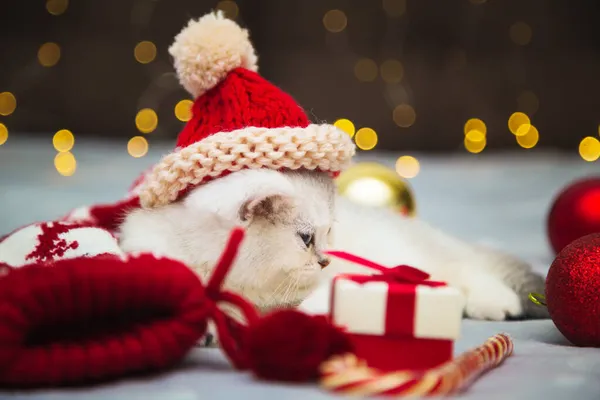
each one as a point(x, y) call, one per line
point(97, 318)
point(50, 244)
point(107, 216)
point(239, 119)
point(110, 216)
point(241, 100)
point(88, 319)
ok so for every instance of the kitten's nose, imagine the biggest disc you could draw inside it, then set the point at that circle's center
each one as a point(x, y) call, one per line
point(323, 262)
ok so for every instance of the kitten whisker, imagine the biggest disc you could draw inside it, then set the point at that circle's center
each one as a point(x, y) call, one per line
point(279, 288)
point(290, 290)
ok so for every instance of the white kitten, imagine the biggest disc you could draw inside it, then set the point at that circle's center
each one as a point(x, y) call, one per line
point(291, 217)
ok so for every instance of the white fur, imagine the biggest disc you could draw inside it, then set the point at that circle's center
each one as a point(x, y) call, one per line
point(391, 239)
point(274, 269)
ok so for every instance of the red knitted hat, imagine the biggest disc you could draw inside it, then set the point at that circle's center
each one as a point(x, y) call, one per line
point(74, 308)
point(239, 120)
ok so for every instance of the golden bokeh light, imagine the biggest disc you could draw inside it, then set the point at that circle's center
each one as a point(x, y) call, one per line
point(63, 140)
point(365, 70)
point(146, 120)
point(523, 130)
point(8, 103)
point(229, 8)
point(475, 141)
point(137, 146)
point(520, 33)
point(528, 102)
point(49, 54)
point(144, 52)
point(394, 8)
point(3, 134)
point(335, 21)
point(65, 163)
point(366, 138)
point(345, 125)
point(183, 110)
point(519, 123)
point(404, 115)
point(529, 139)
point(57, 7)
point(407, 167)
point(589, 149)
point(475, 124)
point(392, 71)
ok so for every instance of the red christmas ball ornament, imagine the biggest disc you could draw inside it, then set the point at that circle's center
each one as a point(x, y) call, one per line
point(573, 291)
point(290, 346)
point(575, 213)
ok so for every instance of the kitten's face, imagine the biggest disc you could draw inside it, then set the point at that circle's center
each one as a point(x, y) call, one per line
point(287, 217)
point(282, 257)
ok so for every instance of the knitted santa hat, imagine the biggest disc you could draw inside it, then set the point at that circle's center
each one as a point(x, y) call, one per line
point(239, 120)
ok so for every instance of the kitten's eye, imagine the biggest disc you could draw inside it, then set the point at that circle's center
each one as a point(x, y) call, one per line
point(307, 238)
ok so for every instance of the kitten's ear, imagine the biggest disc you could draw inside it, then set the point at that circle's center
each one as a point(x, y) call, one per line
point(273, 208)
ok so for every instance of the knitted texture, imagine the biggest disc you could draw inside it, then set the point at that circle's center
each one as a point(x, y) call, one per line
point(47, 242)
point(207, 49)
point(316, 147)
point(107, 216)
point(239, 119)
point(66, 317)
point(110, 215)
point(243, 99)
point(97, 319)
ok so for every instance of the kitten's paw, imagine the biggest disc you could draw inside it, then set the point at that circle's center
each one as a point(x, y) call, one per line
point(490, 299)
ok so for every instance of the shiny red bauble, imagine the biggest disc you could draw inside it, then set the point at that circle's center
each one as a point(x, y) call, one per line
point(573, 291)
point(575, 213)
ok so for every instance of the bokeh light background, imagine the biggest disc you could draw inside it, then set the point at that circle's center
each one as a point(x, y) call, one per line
point(404, 76)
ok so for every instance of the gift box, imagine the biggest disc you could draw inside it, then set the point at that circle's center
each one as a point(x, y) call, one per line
point(397, 318)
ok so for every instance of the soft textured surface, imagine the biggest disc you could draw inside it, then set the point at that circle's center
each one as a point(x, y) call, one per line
point(97, 318)
point(499, 200)
point(75, 310)
point(239, 119)
point(276, 353)
point(207, 49)
point(322, 147)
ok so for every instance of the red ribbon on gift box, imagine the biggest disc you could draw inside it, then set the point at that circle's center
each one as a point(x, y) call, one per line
point(398, 274)
point(400, 317)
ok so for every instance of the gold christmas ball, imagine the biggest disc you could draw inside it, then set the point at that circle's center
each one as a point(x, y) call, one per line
point(376, 185)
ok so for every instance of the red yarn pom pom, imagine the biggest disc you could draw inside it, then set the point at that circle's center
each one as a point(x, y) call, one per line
point(575, 213)
point(573, 291)
point(288, 345)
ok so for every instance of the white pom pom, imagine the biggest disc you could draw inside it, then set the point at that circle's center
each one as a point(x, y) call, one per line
point(207, 49)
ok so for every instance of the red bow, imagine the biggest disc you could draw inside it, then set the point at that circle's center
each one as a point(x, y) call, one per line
point(399, 274)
